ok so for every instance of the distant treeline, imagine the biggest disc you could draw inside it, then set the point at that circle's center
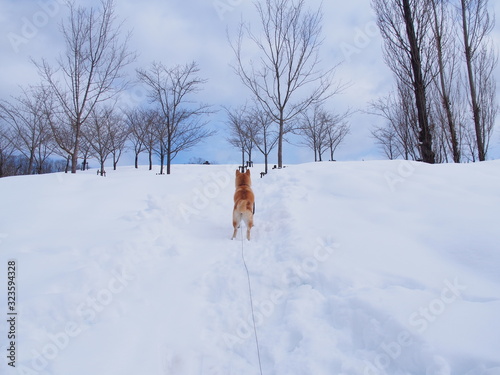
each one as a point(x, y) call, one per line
point(17, 165)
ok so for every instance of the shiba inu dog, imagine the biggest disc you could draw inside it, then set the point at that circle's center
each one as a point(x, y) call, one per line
point(244, 202)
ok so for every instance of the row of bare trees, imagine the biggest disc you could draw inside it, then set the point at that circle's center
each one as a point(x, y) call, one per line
point(251, 128)
point(443, 109)
point(440, 52)
point(89, 73)
point(32, 134)
point(74, 114)
point(25, 132)
point(320, 130)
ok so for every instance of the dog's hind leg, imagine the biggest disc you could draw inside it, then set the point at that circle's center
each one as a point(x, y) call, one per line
point(248, 218)
point(236, 223)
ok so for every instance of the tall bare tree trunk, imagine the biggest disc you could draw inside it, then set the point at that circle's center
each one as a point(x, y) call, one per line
point(444, 92)
point(169, 153)
point(76, 147)
point(472, 85)
point(425, 135)
point(280, 142)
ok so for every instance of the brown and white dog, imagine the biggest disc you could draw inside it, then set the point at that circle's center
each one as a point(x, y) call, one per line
point(244, 201)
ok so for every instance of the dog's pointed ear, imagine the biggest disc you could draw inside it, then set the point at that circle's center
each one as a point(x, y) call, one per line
point(237, 172)
point(248, 172)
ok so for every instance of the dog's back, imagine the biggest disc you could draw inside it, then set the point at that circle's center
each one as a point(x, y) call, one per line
point(243, 202)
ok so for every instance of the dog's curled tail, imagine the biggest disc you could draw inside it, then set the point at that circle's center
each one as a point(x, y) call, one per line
point(244, 206)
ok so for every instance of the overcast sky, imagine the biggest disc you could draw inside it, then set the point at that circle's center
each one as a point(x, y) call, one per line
point(181, 31)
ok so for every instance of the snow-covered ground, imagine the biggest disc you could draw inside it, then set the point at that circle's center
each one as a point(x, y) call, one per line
point(368, 268)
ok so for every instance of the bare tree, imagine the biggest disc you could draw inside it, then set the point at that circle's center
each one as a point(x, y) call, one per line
point(150, 140)
point(249, 128)
point(386, 138)
point(62, 132)
point(7, 149)
point(405, 26)
point(435, 48)
point(238, 124)
point(485, 67)
point(470, 144)
point(89, 72)
point(31, 127)
point(139, 122)
point(323, 130)
point(119, 136)
point(480, 60)
point(401, 128)
point(264, 135)
point(448, 74)
point(313, 129)
point(286, 78)
point(250, 131)
point(105, 134)
point(85, 153)
point(180, 124)
point(98, 135)
point(336, 131)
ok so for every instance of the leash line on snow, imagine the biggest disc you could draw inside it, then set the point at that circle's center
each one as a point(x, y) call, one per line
point(251, 300)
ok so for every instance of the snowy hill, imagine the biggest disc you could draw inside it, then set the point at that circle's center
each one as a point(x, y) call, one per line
point(356, 268)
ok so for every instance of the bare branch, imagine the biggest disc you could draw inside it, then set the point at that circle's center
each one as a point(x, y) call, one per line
point(90, 71)
point(179, 123)
point(286, 78)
